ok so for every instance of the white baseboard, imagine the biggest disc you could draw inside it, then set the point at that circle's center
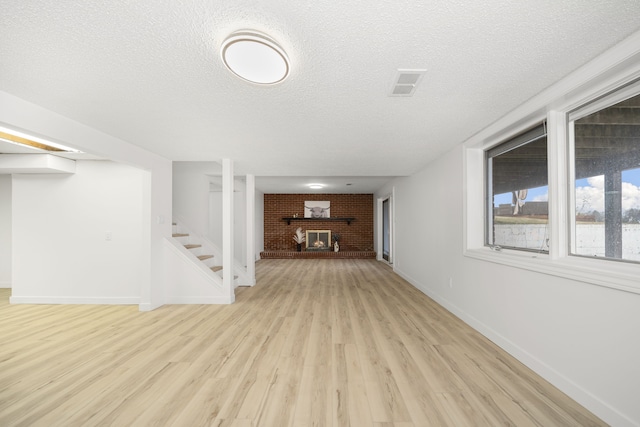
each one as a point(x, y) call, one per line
point(5, 285)
point(200, 300)
point(601, 409)
point(148, 306)
point(75, 300)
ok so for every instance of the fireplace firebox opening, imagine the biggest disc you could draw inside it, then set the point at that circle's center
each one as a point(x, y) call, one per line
point(318, 240)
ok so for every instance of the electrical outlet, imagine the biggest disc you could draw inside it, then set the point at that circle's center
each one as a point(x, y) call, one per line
point(108, 235)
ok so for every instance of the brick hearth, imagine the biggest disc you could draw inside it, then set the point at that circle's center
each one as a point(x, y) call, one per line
point(317, 254)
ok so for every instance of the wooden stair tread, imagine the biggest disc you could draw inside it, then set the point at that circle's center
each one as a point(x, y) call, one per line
point(203, 257)
point(179, 235)
point(192, 246)
point(218, 268)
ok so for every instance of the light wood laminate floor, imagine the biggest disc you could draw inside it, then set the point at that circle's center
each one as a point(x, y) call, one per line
point(314, 343)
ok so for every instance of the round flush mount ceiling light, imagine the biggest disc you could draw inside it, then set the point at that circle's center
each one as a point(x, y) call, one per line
point(255, 57)
point(316, 186)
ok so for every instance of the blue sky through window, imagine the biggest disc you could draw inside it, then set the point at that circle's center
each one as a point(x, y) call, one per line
point(589, 193)
point(539, 194)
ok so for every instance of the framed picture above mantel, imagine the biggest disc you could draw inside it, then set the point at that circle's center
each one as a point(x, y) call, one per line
point(317, 209)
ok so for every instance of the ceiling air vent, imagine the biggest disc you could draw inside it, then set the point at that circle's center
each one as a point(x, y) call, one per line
point(406, 81)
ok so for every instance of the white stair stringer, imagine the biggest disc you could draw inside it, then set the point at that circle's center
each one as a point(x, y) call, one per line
point(241, 277)
point(190, 281)
point(207, 247)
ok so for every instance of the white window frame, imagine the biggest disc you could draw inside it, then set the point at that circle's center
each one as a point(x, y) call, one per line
point(489, 206)
point(602, 76)
point(600, 104)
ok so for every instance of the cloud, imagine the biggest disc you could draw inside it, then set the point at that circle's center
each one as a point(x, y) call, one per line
point(596, 181)
point(630, 196)
point(591, 197)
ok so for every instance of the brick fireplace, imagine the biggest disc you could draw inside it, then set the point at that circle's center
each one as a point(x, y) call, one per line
point(355, 235)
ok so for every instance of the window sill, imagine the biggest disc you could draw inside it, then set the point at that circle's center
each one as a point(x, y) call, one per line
point(611, 274)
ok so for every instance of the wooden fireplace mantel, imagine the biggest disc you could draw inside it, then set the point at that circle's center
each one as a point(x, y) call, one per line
point(289, 219)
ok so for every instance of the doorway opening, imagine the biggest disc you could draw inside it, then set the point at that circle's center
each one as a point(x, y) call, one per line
point(385, 229)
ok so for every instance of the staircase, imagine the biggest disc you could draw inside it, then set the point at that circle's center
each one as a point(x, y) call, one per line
point(205, 252)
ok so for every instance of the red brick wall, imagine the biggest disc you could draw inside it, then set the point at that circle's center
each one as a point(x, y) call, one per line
point(355, 237)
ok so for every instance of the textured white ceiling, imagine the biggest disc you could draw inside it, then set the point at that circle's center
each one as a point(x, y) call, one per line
point(330, 184)
point(149, 72)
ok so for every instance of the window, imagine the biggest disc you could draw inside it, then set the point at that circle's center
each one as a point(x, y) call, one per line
point(517, 190)
point(586, 167)
point(605, 152)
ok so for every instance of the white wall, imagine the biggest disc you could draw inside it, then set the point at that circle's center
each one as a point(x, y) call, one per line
point(215, 217)
point(191, 193)
point(259, 217)
point(581, 337)
point(5, 231)
point(239, 209)
point(240, 226)
point(62, 252)
point(239, 221)
point(18, 114)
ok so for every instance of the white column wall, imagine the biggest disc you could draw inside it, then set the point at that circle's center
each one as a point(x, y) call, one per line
point(78, 238)
point(215, 218)
point(5, 231)
point(239, 221)
point(215, 223)
point(227, 227)
point(259, 221)
point(581, 337)
point(240, 226)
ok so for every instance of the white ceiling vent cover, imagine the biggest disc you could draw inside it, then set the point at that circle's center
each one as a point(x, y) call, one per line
point(406, 82)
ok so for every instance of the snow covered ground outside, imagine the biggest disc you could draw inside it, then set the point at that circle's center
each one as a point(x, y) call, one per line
point(589, 238)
